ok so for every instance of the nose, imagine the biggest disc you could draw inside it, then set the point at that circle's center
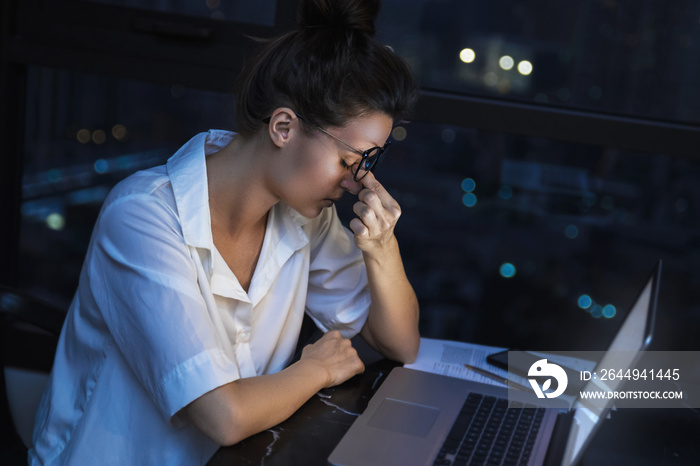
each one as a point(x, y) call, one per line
point(349, 184)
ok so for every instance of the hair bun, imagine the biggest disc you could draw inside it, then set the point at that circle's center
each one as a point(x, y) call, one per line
point(342, 14)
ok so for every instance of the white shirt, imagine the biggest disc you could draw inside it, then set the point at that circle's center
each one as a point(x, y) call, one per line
point(159, 319)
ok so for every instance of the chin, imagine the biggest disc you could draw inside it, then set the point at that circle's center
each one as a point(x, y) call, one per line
point(310, 212)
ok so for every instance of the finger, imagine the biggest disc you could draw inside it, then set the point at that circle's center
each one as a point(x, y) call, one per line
point(332, 334)
point(371, 198)
point(387, 201)
point(360, 368)
point(358, 228)
point(369, 217)
point(370, 182)
point(365, 212)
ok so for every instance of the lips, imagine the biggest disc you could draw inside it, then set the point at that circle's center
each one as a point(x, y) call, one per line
point(330, 201)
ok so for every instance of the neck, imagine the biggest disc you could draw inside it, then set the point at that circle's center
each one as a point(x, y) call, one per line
point(238, 198)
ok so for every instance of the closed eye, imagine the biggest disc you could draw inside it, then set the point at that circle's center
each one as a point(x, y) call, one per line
point(344, 164)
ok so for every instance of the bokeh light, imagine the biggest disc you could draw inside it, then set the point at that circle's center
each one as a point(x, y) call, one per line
point(468, 185)
point(469, 199)
point(467, 55)
point(584, 301)
point(506, 62)
point(525, 67)
point(507, 270)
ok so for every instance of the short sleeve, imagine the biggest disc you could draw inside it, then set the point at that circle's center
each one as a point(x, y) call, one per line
point(144, 282)
point(338, 296)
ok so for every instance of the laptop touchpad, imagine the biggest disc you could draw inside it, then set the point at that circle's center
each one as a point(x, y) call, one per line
point(403, 417)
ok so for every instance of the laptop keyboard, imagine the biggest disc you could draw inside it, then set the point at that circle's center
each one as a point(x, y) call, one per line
point(487, 432)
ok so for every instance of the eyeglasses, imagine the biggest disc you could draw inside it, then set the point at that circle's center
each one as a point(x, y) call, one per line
point(370, 158)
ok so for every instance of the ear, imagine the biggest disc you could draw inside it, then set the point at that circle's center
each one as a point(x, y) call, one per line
point(283, 126)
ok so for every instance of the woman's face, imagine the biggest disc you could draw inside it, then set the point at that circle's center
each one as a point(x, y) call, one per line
point(319, 168)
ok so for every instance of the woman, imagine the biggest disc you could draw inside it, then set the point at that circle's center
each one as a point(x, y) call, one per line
point(199, 272)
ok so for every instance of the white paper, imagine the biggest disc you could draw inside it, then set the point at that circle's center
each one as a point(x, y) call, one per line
point(449, 357)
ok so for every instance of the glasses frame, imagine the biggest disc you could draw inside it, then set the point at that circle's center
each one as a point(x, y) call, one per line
point(369, 162)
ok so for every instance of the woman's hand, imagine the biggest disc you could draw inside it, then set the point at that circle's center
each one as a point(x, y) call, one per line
point(377, 213)
point(336, 355)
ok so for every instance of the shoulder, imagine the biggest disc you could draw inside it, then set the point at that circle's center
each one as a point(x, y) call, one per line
point(145, 196)
point(142, 182)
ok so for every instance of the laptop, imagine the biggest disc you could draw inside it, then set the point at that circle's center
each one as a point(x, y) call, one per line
point(421, 418)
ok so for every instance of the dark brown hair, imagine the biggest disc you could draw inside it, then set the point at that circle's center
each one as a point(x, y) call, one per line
point(330, 69)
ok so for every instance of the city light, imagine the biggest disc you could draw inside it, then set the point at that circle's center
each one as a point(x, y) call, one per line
point(506, 62)
point(55, 221)
point(571, 231)
point(584, 301)
point(525, 67)
point(99, 136)
point(101, 166)
point(399, 133)
point(469, 199)
point(468, 185)
point(83, 136)
point(490, 78)
point(505, 192)
point(119, 132)
point(609, 311)
point(467, 55)
point(507, 270)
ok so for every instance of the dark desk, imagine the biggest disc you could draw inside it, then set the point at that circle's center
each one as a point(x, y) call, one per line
point(650, 437)
point(310, 435)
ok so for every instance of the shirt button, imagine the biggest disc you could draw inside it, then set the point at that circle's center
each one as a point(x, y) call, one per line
point(242, 336)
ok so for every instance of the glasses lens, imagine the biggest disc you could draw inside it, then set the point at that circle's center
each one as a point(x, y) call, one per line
point(368, 162)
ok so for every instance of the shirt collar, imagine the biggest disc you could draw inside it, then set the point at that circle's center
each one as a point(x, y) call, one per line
point(188, 176)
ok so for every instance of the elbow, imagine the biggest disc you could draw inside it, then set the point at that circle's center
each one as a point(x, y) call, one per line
point(406, 352)
point(410, 353)
point(401, 347)
point(231, 430)
point(221, 422)
point(227, 435)
point(228, 439)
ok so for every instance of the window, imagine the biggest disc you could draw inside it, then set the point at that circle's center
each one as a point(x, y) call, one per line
point(615, 56)
point(84, 133)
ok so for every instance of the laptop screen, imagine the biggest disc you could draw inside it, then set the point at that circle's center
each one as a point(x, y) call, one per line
point(633, 337)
